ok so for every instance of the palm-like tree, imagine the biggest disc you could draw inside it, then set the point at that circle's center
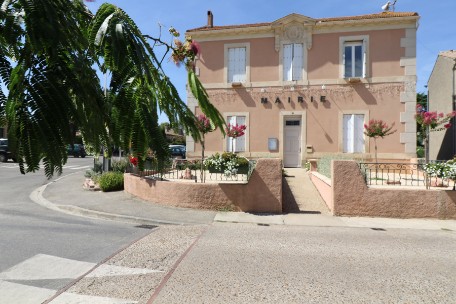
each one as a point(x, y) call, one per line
point(48, 51)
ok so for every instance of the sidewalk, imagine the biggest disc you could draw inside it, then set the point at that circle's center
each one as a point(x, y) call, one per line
point(140, 272)
point(67, 195)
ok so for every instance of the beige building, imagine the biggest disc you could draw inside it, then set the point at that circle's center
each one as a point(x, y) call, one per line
point(305, 87)
point(442, 98)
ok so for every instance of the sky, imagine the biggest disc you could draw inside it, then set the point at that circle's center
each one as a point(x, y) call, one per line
point(436, 31)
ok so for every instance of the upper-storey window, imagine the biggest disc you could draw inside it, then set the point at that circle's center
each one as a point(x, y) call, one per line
point(292, 61)
point(354, 56)
point(237, 64)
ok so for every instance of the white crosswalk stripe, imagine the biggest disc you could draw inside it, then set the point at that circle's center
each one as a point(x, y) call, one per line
point(15, 166)
point(47, 267)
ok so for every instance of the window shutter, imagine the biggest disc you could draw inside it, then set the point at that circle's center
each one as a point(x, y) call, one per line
point(358, 133)
point(231, 64)
point(236, 65)
point(297, 61)
point(348, 124)
point(240, 141)
point(287, 61)
point(364, 58)
point(240, 61)
point(231, 120)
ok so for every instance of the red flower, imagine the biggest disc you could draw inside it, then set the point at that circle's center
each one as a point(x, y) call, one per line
point(133, 161)
point(235, 131)
point(447, 126)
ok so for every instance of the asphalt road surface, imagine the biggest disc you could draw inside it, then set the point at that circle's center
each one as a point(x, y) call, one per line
point(35, 238)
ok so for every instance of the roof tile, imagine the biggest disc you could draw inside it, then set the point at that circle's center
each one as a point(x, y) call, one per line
point(381, 15)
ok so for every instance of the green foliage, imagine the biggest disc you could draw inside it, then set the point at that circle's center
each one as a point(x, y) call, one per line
point(111, 181)
point(227, 163)
point(48, 50)
point(420, 152)
point(324, 163)
point(97, 166)
point(119, 165)
point(93, 175)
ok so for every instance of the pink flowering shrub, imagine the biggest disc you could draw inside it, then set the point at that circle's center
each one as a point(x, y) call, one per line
point(203, 124)
point(235, 131)
point(433, 120)
point(378, 128)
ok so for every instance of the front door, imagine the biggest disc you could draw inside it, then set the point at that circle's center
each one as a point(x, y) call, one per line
point(292, 143)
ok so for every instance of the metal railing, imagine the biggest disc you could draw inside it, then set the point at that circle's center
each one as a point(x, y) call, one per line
point(192, 170)
point(399, 174)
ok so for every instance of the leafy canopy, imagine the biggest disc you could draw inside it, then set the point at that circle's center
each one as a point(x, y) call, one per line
point(49, 51)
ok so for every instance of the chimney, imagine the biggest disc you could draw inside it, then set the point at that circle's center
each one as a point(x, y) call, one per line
point(210, 19)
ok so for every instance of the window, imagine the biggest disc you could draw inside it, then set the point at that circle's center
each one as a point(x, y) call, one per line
point(292, 61)
point(353, 133)
point(237, 64)
point(354, 59)
point(354, 56)
point(239, 143)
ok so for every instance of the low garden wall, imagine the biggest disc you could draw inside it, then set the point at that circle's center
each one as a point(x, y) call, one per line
point(262, 193)
point(352, 197)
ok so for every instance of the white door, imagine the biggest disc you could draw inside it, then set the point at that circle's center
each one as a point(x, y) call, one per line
point(292, 143)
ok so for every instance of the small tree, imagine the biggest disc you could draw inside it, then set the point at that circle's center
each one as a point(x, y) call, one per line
point(204, 126)
point(234, 131)
point(431, 121)
point(376, 129)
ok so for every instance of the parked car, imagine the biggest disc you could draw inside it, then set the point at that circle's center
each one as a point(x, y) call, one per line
point(177, 151)
point(5, 152)
point(77, 150)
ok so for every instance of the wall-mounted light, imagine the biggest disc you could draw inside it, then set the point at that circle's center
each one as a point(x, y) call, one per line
point(323, 87)
point(263, 90)
point(292, 88)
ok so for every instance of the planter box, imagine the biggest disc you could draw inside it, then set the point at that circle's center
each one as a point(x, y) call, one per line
point(241, 170)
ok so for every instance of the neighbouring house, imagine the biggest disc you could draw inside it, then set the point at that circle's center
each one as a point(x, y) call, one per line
point(442, 98)
point(305, 87)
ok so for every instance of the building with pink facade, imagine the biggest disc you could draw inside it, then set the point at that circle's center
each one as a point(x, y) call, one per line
point(305, 87)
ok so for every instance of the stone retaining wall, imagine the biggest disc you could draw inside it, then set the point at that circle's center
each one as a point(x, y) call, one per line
point(352, 197)
point(263, 192)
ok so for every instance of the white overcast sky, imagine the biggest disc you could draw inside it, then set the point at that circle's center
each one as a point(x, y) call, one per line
point(436, 32)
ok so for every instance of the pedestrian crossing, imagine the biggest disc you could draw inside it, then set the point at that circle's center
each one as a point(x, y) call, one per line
point(16, 166)
point(42, 267)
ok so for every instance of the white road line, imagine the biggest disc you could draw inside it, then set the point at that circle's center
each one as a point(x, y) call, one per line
point(24, 294)
point(42, 267)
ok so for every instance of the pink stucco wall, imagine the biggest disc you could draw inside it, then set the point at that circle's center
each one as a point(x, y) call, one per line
point(353, 198)
point(381, 101)
point(263, 192)
point(324, 188)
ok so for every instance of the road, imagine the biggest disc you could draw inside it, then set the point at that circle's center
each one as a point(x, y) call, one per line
point(35, 237)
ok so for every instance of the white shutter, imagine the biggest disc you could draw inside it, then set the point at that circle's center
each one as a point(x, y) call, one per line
point(348, 124)
point(232, 121)
point(297, 61)
point(231, 64)
point(240, 62)
point(358, 133)
point(240, 141)
point(287, 62)
point(364, 58)
point(236, 65)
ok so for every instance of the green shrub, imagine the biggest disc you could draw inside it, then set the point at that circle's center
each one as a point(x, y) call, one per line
point(119, 165)
point(324, 163)
point(111, 181)
point(97, 166)
point(420, 152)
